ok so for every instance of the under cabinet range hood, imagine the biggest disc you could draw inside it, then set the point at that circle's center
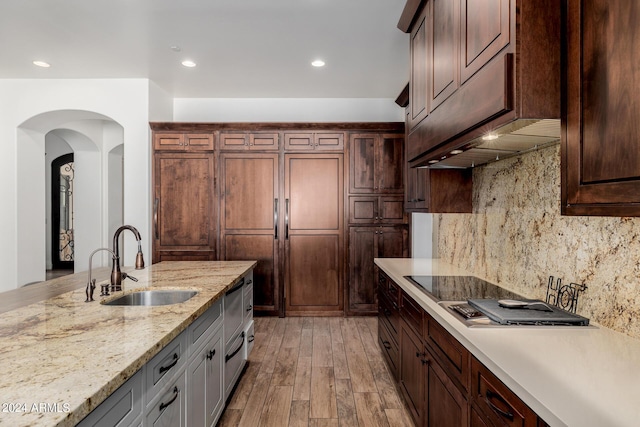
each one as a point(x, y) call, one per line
point(515, 138)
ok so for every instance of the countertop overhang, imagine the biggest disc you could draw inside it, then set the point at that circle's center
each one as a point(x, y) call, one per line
point(570, 376)
point(61, 357)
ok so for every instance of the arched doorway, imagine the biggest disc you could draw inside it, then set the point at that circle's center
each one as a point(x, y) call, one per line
point(62, 180)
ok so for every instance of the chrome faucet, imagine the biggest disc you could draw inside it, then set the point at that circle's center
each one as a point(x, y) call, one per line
point(91, 283)
point(116, 275)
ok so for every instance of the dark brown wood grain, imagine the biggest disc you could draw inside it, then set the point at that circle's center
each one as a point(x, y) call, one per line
point(600, 150)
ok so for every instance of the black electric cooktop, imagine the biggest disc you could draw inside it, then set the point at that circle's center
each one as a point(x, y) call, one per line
point(460, 288)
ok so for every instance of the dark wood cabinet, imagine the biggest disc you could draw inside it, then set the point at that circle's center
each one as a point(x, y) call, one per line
point(442, 384)
point(498, 405)
point(376, 163)
point(249, 209)
point(420, 84)
point(179, 141)
point(240, 141)
point(314, 233)
point(477, 66)
point(322, 141)
point(365, 244)
point(438, 190)
point(601, 112)
point(376, 210)
point(184, 207)
point(411, 372)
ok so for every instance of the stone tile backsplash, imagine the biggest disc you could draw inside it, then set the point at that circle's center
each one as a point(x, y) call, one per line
point(517, 238)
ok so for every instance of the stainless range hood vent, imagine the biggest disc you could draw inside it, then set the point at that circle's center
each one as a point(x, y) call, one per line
point(512, 139)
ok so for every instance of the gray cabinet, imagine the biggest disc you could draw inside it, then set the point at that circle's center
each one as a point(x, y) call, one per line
point(204, 379)
point(122, 408)
point(169, 406)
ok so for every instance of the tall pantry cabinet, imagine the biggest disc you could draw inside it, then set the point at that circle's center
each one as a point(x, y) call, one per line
point(312, 203)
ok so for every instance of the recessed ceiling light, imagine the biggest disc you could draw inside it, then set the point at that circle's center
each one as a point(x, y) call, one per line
point(433, 161)
point(188, 63)
point(318, 63)
point(456, 151)
point(42, 64)
point(490, 137)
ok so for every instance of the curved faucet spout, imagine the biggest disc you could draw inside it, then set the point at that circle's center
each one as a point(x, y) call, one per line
point(116, 275)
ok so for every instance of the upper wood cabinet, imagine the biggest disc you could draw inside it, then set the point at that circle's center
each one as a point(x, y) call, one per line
point(376, 163)
point(241, 141)
point(174, 141)
point(305, 141)
point(184, 207)
point(600, 149)
point(478, 65)
point(438, 190)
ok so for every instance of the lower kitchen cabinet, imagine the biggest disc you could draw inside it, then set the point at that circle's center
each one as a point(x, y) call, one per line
point(204, 374)
point(169, 407)
point(442, 384)
point(365, 244)
point(187, 383)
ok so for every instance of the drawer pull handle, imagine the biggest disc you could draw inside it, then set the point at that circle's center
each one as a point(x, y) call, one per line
point(236, 287)
point(491, 395)
point(249, 308)
point(164, 406)
point(171, 365)
point(386, 345)
point(230, 356)
point(251, 338)
point(211, 354)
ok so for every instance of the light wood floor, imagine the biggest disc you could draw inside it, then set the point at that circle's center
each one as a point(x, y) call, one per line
point(316, 372)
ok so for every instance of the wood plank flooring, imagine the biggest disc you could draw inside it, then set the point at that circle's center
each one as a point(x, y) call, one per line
point(316, 372)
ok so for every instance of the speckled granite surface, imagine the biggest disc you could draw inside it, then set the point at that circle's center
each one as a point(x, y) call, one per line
point(61, 357)
point(517, 238)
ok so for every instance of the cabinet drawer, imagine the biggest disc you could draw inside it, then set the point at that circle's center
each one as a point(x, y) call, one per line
point(498, 404)
point(169, 408)
point(388, 288)
point(233, 362)
point(250, 338)
point(390, 316)
point(389, 349)
point(453, 357)
point(233, 311)
point(121, 408)
point(163, 367)
point(411, 312)
point(200, 330)
point(248, 303)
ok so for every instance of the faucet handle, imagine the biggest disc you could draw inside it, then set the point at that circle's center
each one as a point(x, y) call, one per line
point(128, 276)
point(91, 286)
point(104, 289)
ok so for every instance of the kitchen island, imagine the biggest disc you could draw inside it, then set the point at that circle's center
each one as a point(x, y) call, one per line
point(570, 376)
point(61, 357)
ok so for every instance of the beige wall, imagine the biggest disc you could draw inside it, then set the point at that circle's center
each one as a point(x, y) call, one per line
point(516, 237)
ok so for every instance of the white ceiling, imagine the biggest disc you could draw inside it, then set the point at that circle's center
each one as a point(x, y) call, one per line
point(243, 48)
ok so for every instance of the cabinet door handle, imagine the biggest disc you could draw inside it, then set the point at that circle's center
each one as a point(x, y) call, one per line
point(251, 338)
point(386, 344)
point(491, 395)
point(171, 365)
point(275, 218)
point(286, 219)
point(230, 356)
point(249, 308)
point(155, 217)
point(176, 391)
point(211, 353)
point(236, 287)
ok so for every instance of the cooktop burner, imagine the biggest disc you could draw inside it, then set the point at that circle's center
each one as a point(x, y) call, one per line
point(460, 288)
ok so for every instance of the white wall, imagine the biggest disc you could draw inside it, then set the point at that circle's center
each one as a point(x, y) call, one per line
point(26, 116)
point(286, 110)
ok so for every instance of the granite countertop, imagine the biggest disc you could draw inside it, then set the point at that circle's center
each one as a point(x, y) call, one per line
point(570, 376)
point(61, 357)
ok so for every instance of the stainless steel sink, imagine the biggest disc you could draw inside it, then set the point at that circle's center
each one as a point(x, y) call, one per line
point(153, 298)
